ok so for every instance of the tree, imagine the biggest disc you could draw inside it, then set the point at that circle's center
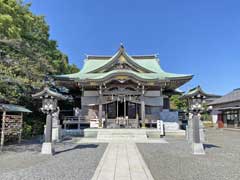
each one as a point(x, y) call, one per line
point(27, 55)
point(177, 103)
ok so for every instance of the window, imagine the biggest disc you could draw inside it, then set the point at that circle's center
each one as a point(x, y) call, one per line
point(230, 117)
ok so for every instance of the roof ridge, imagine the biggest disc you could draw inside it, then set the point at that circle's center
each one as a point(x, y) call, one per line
point(100, 57)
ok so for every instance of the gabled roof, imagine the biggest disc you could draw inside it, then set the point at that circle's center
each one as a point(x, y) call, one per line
point(13, 108)
point(123, 58)
point(46, 92)
point(230, 97)
point(145, 67)
point(198, 90)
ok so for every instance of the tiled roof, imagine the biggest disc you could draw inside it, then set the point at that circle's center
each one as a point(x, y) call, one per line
point(230, 97)
point(148, 63)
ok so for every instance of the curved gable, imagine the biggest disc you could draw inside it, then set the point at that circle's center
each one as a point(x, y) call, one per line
point(121, 58)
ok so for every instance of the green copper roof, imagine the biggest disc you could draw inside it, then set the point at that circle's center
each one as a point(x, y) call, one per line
point(148, 63)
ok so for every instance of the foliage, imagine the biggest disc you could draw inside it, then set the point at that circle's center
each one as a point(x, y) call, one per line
point(177, 103)
point(27, 53)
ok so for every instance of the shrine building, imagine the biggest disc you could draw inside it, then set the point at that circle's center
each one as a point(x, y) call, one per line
point(123, 91)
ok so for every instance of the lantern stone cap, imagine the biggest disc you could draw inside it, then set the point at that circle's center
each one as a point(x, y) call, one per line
point(47, 92)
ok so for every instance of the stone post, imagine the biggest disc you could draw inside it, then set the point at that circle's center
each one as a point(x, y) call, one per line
point(197, 146)
point(47, 147)
point(48, 137)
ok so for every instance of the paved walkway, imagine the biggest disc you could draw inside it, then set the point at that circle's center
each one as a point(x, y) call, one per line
point(122, 161)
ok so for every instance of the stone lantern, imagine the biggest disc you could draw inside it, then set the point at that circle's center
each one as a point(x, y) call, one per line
point(195, 108)
point(196, 99)
point(50, 108)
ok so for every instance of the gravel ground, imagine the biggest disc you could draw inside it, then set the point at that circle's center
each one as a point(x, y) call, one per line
point(71, 161)
point(174, 161)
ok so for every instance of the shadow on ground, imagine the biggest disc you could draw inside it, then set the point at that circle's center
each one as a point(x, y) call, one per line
point(208, 146)
point(81, 146)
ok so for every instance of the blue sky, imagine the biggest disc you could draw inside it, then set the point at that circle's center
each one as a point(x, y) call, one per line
point(191, 37)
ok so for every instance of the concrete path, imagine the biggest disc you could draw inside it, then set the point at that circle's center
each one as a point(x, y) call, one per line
point(122, 161)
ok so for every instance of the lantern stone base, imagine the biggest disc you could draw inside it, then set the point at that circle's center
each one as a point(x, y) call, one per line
point(198, 149)
point(47, 148)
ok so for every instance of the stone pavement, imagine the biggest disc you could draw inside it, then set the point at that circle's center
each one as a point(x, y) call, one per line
point(122, 161)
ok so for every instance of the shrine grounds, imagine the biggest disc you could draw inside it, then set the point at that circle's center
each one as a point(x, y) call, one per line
point(166, 161)
point(173, 161)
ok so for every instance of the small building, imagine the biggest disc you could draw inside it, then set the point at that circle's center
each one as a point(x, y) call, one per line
point(227, 109)
point(123, 90)
point(11, 121)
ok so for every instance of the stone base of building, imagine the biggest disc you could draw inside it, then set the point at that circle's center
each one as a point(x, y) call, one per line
point(47, 148)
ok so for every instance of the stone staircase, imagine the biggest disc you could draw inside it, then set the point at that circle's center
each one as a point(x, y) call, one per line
point(121, 134)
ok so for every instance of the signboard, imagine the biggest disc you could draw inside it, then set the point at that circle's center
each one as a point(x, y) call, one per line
point(11, 126)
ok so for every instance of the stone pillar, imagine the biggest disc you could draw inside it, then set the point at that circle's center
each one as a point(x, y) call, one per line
point(56, 127)
point(47, 147)
point(197, 145)
point(48, 137)
point(189, 130)
point(196, 133)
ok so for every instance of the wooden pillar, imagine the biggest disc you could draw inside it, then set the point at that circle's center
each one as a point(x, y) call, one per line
point(100, 107)
point(137, 116)
point(3, 129)
point(124, 111)
point(65, 124)
point(117, 107)
point(124, 107)
point(79, 122)
point(224, 116)
point(143, 108)
point(20, 133)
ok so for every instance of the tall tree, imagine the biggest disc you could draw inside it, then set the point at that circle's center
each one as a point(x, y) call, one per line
point(27, 53)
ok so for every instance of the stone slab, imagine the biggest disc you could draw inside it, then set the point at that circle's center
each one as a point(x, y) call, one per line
point(122, 161)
